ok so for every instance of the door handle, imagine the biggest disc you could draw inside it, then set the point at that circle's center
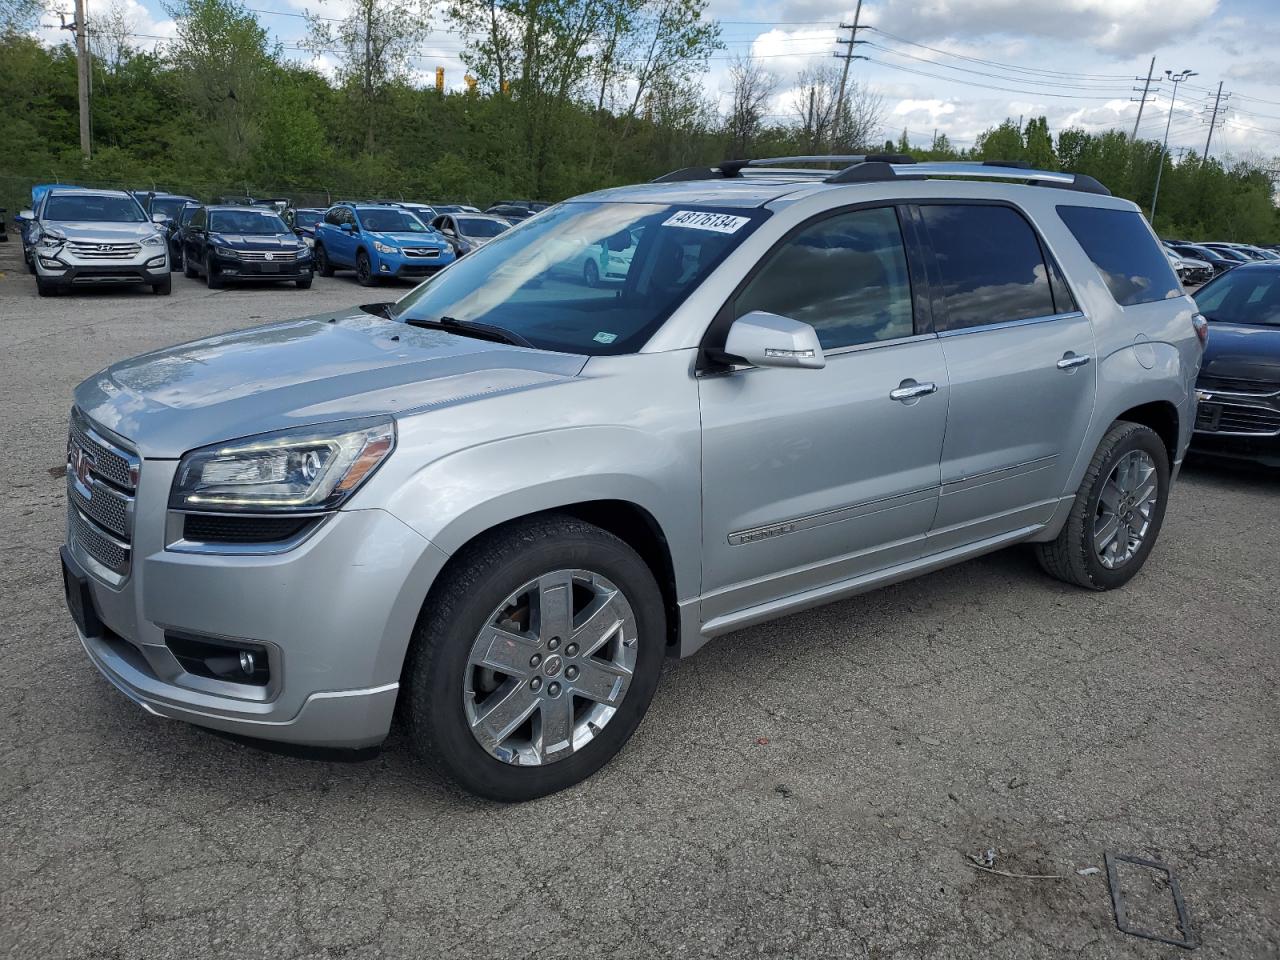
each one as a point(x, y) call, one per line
point(911, 390)
point(1071, 360)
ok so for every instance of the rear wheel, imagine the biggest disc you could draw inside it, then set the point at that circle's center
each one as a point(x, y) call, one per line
point(1117, 514)
point(364, 270)
point(535, 658)
point(591, 273)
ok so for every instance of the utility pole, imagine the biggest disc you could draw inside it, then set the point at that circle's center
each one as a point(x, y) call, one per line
point(1212, 123)
point(1175, 79)
point(80, 31)
point(1146, 87)
point(848, 57)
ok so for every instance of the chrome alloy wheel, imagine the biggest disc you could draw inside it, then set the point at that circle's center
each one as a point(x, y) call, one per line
point(550, 667)
point(1125, 508)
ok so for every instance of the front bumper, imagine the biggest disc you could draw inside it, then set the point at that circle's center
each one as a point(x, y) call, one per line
point(1240, 424)
point(335, 614)
point(235, 269)
point(404, 267)
point(66, 271)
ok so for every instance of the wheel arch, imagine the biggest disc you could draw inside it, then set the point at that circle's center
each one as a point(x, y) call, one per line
point(627, 520)
point(1162, 417)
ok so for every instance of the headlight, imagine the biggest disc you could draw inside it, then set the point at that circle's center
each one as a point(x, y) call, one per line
point(384, 248)
point(226, 252)
point(309, 241)
point(155, 240)
point(301, 470)
point(50, 241)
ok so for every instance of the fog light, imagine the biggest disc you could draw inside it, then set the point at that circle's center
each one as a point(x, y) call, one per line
point(384, 268)
point(155, 263)
point(246, 663)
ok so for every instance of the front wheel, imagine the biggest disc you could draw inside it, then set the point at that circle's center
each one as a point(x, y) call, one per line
point(535, 658)
point(189, 268)
point(591, 273)
point(1118, 511)
point(304, 284)
point(211, 276)
point(164, 287)
point(364, 270)
point(323, 266)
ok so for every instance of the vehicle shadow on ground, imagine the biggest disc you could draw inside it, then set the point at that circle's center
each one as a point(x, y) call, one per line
point(1236, 474)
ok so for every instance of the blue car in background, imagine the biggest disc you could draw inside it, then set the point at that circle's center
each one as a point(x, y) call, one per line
point(378, 241)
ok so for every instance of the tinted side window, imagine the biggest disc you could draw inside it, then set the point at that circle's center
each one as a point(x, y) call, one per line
point(1118, 242)
point(333, 216)
point(845, 275)
point(991, 266)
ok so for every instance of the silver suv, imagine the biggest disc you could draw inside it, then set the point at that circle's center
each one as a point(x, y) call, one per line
point(93, 238)
point(502, 500)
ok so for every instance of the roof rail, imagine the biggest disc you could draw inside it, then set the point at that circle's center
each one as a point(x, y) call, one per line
point(871, 167)
point(736, 168)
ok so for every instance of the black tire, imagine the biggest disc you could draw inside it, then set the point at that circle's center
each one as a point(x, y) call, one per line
point(211, 276)
point(164, 287)
point(46, 289)
point(364, 270)
point(175, 259)
point(323, 266)
point(189, 268)
point(591, 273)
point(1071, 557)
point(31, 265)
point(304, 284)
point(470, 589)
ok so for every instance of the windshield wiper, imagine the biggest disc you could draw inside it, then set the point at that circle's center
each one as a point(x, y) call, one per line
point(472, 328)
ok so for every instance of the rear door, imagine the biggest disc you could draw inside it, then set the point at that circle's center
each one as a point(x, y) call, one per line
point(1019, 354)
point(811, 477)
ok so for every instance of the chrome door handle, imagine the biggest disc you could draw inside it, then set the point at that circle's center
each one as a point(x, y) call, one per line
point(1070, 360)
point(910, 390)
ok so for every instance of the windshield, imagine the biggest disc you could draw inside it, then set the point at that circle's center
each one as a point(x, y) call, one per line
point(1244, 295)
point(594, 278)
point(480, 227)
point(249, 222)
point(169, 206)
point(93, 208)
point(307, 218)
point(390, 220)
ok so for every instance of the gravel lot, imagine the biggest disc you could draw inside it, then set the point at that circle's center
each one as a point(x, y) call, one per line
point(808, 788)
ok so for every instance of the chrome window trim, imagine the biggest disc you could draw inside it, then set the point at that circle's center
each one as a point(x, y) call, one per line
point(878, 344)
point(1009, 324)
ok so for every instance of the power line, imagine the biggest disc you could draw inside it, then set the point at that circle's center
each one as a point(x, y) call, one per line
point(987, 86)
point(985, 73)
point(1006, 66)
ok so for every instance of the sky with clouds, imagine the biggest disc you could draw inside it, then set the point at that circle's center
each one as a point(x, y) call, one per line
point(958, 66)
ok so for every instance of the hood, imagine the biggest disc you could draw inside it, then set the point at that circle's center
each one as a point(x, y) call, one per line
point(250, 241)
point(102, 232)
point(1245, 351)
point(430, 239)
point(314, 370)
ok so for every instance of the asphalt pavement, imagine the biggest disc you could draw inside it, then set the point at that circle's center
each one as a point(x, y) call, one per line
point(813, 787)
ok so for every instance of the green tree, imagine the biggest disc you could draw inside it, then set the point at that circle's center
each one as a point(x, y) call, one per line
point(1038, 145)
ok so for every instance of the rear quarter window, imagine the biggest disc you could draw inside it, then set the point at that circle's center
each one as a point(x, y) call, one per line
point(1133, 266)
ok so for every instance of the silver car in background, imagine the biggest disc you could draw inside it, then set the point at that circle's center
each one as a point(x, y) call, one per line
point(501, 501)
point(88, 237)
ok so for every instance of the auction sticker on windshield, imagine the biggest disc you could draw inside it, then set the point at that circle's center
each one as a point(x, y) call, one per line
point(703, 220)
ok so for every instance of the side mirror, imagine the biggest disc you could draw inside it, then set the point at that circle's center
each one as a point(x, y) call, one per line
point(26, 215)
point(769, 340)
point(347, 227)
point(159, 218)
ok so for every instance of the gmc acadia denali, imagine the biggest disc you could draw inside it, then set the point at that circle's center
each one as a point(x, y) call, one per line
point(504, 498)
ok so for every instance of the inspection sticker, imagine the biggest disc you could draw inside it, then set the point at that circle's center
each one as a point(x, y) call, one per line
point(702, 220)
point(603, 337)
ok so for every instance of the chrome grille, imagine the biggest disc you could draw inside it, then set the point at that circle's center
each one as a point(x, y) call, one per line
point(101, 479)
point(275, 256)
point(103, 251)
point(421, 252)
point(106, 506)
point(111, 463)
point(111, 553)
point(1238, 385)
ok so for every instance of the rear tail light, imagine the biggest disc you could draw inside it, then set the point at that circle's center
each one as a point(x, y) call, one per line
point(1201, 327)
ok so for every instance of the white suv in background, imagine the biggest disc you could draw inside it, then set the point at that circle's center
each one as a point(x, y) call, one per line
point(94, 237)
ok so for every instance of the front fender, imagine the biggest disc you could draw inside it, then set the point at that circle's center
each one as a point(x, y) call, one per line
point(459, 496)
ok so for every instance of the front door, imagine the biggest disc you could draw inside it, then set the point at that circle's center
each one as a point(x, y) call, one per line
point(1020, 358)
point(811, 477)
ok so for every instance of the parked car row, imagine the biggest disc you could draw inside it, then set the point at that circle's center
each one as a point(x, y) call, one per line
point(238, 238)
point(1198, 262)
